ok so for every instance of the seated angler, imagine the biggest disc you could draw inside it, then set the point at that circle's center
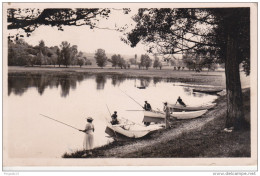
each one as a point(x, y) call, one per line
point(147, 106)
point(114, 119)
point(179, 100)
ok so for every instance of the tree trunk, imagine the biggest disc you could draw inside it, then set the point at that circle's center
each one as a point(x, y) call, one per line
point(235, 113)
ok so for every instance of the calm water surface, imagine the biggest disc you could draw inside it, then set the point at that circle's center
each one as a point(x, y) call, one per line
point(71, 99)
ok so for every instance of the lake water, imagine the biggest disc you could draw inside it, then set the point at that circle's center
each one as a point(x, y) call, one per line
point(71, 99)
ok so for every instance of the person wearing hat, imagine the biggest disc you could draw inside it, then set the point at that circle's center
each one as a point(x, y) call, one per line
point(166, 109)
point(89, 138)
point(179, 100)
point(147, 106)
point(114, 118)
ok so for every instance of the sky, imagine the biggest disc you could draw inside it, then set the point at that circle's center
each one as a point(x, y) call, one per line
point(89, 40)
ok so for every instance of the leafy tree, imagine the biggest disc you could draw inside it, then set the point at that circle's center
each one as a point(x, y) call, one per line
point(121, 62)
point(59, 57)
point(209, 63)
point(114, 60)
point(80, 59)
point(156, 62)
point(146, 61)
point(194, 61)
point(65, 53)
point(87, 61)
point(52, 54)
point(135, 59)
point(17, 52)
point(101, 58)
point(73, 54)
point(42, 52)
point(31, 60)
point(223, 32)
point(160, 65)
point(40, 58)
point(11, 53)
point(132, 61)
point(190, 63)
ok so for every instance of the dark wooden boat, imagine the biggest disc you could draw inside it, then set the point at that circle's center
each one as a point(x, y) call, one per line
point(208, 91)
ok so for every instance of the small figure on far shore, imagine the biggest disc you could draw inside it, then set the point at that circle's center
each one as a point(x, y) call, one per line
point(89, 138)
point(114, 118)
point(179, 100)
point(166, 109)
point(147, 106)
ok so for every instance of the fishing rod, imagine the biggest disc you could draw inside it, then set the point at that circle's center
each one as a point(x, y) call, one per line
point(132, 98)
point(59, 121)
point(134, 110)
point(108, 110)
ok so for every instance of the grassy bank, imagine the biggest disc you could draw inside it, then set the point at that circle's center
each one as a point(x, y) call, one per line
point(201, 137)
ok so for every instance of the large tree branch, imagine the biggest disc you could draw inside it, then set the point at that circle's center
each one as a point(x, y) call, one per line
point(55, 17)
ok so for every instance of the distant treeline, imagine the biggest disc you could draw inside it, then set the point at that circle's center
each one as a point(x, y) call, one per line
point(20, 53)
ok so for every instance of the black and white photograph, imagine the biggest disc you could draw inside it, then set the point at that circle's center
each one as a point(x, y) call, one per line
point(129, 84)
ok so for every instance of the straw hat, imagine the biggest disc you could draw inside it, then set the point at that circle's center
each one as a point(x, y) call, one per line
point(90, 119)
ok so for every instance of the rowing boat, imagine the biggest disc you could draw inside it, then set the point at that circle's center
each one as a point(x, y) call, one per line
point(141, 87)
point(129, 129)
point(158, 116)
point(208, 91)
point(189, 114)
point(192, 108)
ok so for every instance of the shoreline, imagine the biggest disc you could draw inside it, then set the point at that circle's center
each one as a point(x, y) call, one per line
point(200, 137)
point(214, 78)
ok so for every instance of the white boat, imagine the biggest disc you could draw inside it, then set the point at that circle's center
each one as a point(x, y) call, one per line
point(156, 116)
point(189, 114)
point(192, 108)
point(129, 129)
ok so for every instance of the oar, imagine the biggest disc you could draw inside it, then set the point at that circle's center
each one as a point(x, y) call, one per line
point(59, 121)
point(132, 98)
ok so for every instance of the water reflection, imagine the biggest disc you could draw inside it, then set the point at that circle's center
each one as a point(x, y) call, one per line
point(187, 90)
point(18, 84)
point(144, 82)
point(196, 94)
point(117, 79)
point(157, 80)
point(101, 81)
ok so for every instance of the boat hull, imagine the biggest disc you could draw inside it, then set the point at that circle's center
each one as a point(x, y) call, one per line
point(124, 130)
point(189, 114)
point(191, 108)
point(153, 116)
point(208, 91)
